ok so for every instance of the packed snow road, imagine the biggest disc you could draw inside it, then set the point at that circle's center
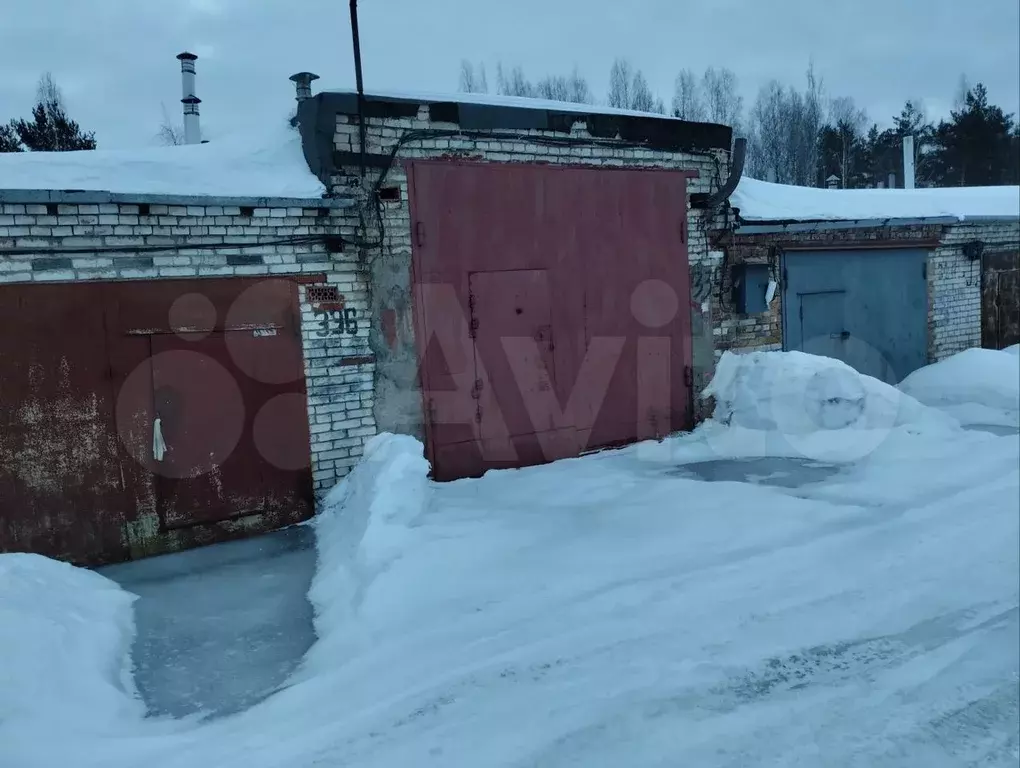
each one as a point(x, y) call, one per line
point(825, 575)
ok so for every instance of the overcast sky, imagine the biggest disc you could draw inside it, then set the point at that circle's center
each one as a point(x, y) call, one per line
point(115, 61)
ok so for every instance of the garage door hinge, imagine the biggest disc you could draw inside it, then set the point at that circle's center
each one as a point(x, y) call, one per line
point(924, 271)
point(688, 376)
point(683, 231)
point(473, 326)
point(419, 234)
point(476, 390)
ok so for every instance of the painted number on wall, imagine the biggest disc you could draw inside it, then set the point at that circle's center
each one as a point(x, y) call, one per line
point(336, 322)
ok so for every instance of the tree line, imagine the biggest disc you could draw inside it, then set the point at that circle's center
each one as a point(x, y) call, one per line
point(49, 129)
point(802, 135)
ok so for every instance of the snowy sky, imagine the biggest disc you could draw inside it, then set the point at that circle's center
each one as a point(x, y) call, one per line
point(115, 58)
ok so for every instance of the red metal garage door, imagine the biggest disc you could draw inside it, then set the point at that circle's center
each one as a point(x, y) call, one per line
point(88, 371)
point(551, 310)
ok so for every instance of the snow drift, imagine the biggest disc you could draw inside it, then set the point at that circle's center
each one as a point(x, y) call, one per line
point(364, 524)
point(65, 640)
point(272, 165)
point(976, 386)
point(796, 404)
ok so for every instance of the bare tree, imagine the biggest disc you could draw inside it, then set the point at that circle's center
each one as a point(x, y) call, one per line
point(472, 80)
point(769, 129)
point(620, 77)
point(722, 103)
point(578, 90)
point(513, 83)
point(553, 88)
point(806, 138)
point(170, 134)
point(962, 89)
point(848, 122)
point(641, 98)
point(48, 93)
point(687, 101)
point(783, 132)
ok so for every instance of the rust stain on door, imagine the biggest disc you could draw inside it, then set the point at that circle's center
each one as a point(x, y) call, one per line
point(80, 394)
point(60, 481)
point(1000, 299)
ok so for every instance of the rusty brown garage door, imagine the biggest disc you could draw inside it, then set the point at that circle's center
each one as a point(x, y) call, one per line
point(551, 308)
point(143, 417)
point(1000, 299)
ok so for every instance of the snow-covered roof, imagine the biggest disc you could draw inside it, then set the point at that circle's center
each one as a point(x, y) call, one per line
point(762, 201)
point(489, 99)
point(270, 165)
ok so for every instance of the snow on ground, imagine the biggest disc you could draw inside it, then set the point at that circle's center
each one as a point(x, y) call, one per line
point(272, 165)
point(64, 638)
point(764, 201)
point(612, 610)
point(976, 386)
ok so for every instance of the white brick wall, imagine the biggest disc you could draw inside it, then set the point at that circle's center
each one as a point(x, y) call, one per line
point(954, 286)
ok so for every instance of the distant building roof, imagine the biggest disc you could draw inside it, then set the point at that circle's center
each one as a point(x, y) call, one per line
point(762, 201)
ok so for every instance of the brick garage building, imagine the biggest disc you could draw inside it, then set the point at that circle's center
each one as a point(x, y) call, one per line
point(576, 213)
point(903, 277)
point(184, 368)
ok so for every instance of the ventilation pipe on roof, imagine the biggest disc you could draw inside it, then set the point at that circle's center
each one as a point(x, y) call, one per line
point(303, 84)
point(908, 162)
point(724, 192)
point(192, 132)
point(892, 181)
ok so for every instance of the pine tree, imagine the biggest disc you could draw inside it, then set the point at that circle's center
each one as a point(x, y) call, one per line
point(50, 129)
point(973, 147)
point(9, 141)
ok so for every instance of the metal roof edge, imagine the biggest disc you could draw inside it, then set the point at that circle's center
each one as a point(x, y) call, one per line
point(773, 227)
point(89, 197)
point(987, 219)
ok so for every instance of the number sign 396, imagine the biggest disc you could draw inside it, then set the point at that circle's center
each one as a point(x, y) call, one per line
point(336, 322)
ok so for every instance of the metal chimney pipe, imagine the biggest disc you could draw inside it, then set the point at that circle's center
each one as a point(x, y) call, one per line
point(908, 162)
point(303, 84)
point(192, 131)
point(892, 181)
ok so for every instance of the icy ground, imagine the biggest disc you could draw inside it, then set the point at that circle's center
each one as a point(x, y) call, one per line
point(760, 592)
point(220, 628)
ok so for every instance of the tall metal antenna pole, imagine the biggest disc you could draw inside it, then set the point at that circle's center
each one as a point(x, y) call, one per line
point(360, 82)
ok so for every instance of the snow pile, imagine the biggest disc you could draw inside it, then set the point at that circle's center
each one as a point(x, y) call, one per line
point(65, 637)
point(976, 386)
point(267, 166)
point(821, 406)
point(364, 525)
point(764, 201)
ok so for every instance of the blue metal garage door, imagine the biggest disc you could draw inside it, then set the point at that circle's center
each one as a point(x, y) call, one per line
point(868, 308)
